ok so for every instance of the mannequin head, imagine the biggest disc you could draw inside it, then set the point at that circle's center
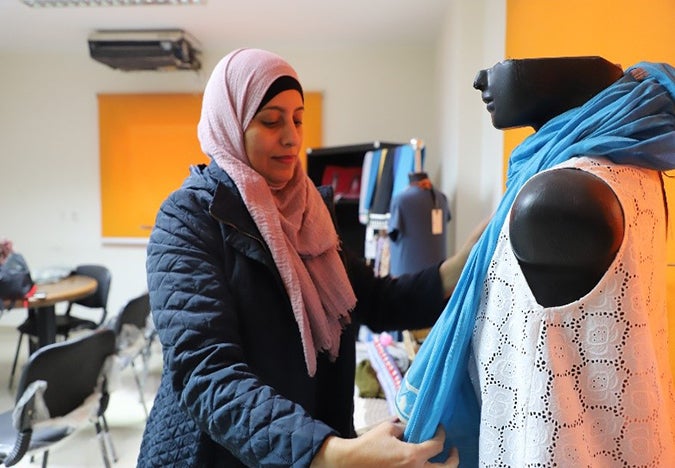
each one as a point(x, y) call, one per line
point(529, 92)
point(417, 176)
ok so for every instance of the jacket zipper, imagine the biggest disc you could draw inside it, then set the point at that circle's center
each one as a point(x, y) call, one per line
point(274, 271)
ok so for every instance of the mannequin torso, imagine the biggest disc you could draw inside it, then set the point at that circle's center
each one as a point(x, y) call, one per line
point(566, 225)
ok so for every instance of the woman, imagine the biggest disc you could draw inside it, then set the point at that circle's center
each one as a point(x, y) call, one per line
point(256, 305)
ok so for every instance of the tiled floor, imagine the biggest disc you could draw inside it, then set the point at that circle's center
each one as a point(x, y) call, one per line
point(125, 415)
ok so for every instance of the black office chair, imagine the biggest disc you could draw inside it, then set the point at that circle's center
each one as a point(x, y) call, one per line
point(134, 339)
point(64, 377)
point(67, 323)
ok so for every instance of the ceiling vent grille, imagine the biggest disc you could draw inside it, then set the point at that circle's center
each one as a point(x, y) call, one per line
point(168, 49)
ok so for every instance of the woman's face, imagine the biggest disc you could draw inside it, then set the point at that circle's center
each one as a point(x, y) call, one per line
point(274, 137)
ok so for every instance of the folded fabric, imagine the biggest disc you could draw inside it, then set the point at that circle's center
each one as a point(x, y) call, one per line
point(388, 374)
point(366, 381)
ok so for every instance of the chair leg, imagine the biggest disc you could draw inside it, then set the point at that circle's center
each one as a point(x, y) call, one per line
point(102, 442)
point(16, 360)
point(140, 387)
point(145, 357)
point(108, 439)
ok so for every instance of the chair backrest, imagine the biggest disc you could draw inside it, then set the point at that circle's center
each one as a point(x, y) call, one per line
point(71, 369)
point(135, 312)
point(103, 277)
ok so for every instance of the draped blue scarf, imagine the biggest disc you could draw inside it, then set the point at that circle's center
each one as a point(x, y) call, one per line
point(629, 122)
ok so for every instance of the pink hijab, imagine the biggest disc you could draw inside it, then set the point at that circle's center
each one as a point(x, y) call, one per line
point(293, 219)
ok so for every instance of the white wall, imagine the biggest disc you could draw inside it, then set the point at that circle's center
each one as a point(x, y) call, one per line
point(471, 148)
point(49, 170)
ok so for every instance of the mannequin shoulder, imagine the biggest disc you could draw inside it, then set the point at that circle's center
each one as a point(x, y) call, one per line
point(566, 217)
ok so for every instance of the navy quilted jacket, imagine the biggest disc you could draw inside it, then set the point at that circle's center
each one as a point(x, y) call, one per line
point(234, 389)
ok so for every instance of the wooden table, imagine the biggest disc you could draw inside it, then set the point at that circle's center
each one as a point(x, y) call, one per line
point(41, 304)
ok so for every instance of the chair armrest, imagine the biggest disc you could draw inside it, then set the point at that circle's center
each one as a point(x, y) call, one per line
point(20, 448)
point(28, 410)
point(31, 407)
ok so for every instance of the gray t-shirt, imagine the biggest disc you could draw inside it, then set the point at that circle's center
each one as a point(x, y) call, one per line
point(417, 229)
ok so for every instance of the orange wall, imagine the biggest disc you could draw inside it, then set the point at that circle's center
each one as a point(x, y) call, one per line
point(147, 143)
point(312, 124)
point(624, 31)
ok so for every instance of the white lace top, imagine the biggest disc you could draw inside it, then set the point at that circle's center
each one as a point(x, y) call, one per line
point(587, 383)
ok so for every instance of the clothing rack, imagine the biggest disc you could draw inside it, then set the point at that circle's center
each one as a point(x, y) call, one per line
point(418, 147)
point(351, 158)
point(344, 155)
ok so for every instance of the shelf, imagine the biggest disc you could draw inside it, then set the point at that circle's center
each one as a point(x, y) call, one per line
point(346, 155)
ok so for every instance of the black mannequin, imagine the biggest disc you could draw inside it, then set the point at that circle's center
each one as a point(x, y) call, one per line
point(566, 225)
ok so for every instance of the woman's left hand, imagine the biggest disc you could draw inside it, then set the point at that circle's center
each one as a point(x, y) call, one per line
point(382, 446)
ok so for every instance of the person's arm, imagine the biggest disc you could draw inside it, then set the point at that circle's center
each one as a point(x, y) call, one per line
point(382, 447)
point(409, 301)
point(197, 321)
point(451, 269)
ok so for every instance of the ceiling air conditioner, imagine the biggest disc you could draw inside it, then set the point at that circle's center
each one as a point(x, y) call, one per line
point(168, 49)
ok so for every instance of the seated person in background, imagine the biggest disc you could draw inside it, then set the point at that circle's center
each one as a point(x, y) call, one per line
point(6, 249)
point(553, 349)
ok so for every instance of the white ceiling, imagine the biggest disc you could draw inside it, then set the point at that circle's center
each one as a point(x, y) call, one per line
point(222, 24)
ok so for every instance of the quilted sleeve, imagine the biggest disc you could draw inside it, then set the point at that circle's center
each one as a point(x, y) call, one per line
point(195, 316)
point(409, 301)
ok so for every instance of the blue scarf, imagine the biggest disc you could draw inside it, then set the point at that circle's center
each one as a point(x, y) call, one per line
point(630, 122)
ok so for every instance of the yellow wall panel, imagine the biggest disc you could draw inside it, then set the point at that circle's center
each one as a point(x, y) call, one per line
point(147, 144)
point(312, 124)
point(623, 31)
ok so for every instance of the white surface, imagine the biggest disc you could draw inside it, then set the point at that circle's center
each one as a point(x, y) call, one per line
point(218, 22)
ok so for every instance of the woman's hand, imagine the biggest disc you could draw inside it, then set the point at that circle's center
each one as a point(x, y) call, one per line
point(382, 447)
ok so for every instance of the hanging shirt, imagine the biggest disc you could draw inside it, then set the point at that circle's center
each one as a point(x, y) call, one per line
point(405, 162)
point(366, 187)
point(384, 175)
point(417, 229)
point(384, 184)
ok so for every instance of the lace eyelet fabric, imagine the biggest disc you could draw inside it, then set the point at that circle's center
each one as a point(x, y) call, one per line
point(587, 383)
